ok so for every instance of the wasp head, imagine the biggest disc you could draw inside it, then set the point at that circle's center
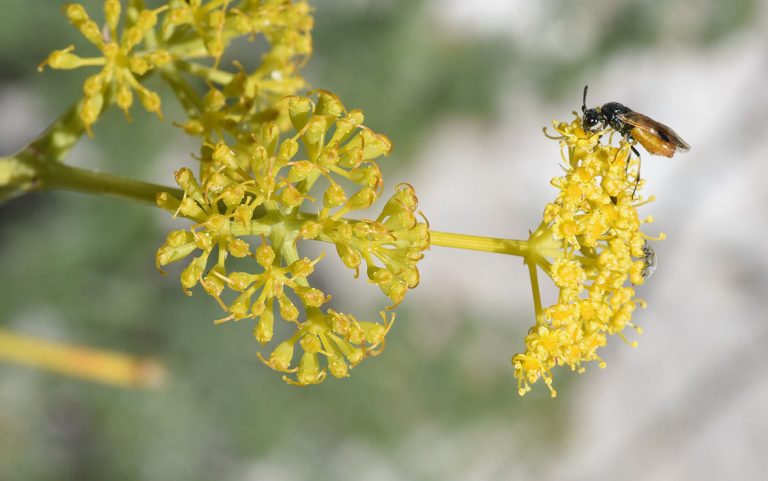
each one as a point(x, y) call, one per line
point(592, 117)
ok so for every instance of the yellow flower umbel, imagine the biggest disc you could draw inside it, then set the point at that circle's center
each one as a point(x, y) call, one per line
point(190, 37)
point(120, 63)
point(247, 205)
point(591, 246)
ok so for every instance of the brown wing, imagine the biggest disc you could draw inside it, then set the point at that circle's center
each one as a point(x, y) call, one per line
point(650, 126)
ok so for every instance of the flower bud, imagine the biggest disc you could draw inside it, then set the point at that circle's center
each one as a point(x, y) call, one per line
point(288, 311)
point(310, 229)
point(302, 268)
point(265, 255)
point(233, 195)
point(280, 359)
point(328, 104)
point(291, 196)
point(379, 275)
point(265, 328)
point(311, 296)
point(214, 100)
point(238, 247)
point(239, 308)
point(340, 323)
point(61, 59)
point(244, 214)
point(299, 109)
point(309, 370)
point(310, 343)
point(348, 256)
point(362, 199)
point(150, 100)
point(338, 368)
point(375, 145)
point(191, 274)
point(334, 196)
point(315, 129)
point(213, 282)
point(239, 281)
point(300, 170)
point(112, 13)
point(124, 97)
point(138, 65)
point(89, 110)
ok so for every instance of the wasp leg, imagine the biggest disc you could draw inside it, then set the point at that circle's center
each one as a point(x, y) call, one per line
point(637, 179)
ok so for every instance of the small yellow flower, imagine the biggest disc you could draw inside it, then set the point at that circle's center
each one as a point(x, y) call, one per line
point(567, 274)
point(591, 245)
point(121, 65)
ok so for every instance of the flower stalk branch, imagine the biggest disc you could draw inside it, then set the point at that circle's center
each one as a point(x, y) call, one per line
point(87, 363)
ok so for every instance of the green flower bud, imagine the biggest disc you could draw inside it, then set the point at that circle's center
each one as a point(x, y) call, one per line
point(265, 328)
point(299, 110)
point(239, 281)
point(311, 296)
point(239, 308)
point(213, 282)
point(233, 195)
point(334, 196)
point(214, 100)
point(362, 199)
point(281, 358)
point(348, 256)
point(337, 367)
point(192, 273)
point(374, 144)
point(310, 343)
point(379, 275)
point(310, 229)
point(300, 170)
point(315, 130)
point(288, 311)
point(265, 255)
point(309, 370)
point(291, 196)
point(328, 104)
point(238, 248)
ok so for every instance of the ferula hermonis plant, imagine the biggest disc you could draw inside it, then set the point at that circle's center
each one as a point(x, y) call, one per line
point(280, 164)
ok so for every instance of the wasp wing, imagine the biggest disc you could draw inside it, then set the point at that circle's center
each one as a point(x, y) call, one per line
point(650, 126)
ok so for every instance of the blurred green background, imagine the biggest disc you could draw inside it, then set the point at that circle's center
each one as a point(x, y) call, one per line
point(463, 89)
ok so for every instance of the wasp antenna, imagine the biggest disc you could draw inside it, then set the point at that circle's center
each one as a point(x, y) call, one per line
point(584, 99)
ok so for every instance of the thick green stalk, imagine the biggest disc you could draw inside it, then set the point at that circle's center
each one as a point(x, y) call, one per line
point(60, 176)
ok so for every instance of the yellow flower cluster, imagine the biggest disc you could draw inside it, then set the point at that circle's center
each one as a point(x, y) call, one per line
point(182, 36)
point(120, 63)
point(253, 191)
point(591, 246)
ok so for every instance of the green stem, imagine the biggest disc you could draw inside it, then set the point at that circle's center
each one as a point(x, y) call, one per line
point(532, 271)
point(478, 243)
point(52, 176)
point(185, 93)
point(209, 74)
point(56, 142)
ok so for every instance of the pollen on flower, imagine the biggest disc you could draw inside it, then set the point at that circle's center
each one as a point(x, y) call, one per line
point(591, 246)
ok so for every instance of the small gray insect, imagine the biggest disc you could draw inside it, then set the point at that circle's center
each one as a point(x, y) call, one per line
point(649, 256)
